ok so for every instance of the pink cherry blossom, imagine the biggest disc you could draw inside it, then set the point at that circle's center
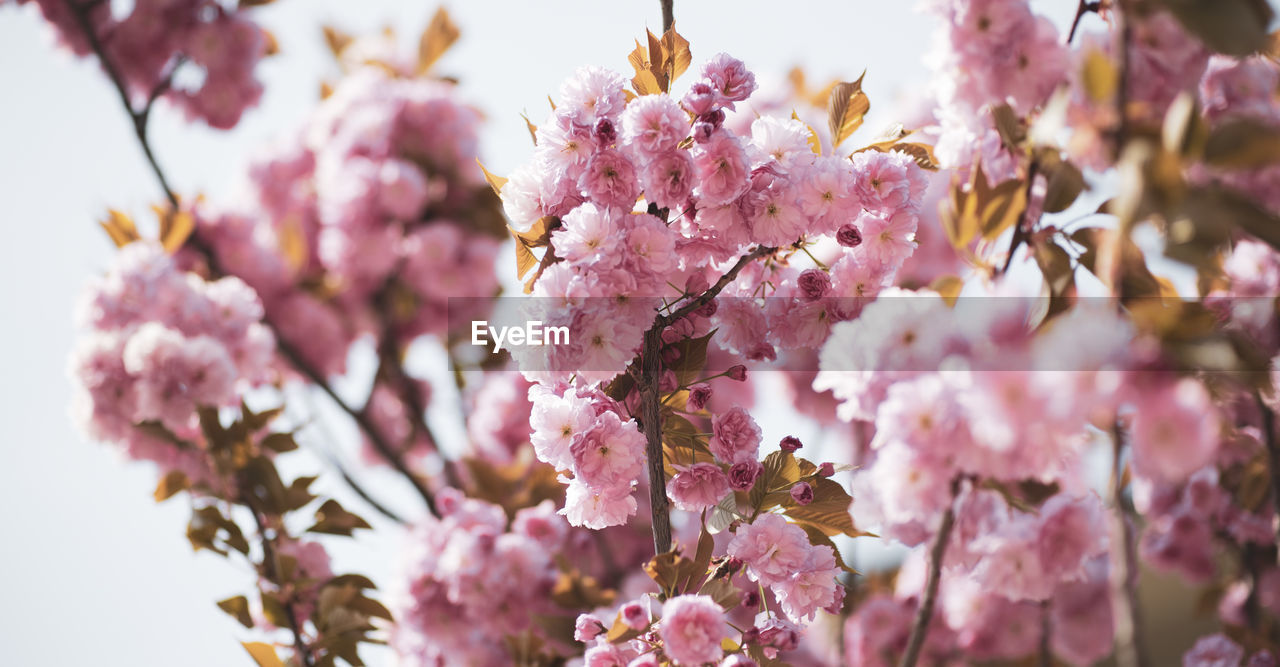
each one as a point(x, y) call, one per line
point(697, 487)
point(772, 548)
point(691, 629)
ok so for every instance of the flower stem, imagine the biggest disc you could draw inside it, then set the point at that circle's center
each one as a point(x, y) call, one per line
point(285, 348)
point(938, 551)
point(1124, 568)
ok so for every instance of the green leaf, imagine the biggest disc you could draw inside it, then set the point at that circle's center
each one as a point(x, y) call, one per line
point(1243, 144)
point(1233, 27)
point(1001, 208)
point(238, 608)
point(1066, 182)
point(692, 358)
point(440, 34)
point(819, 538)
point(263, 654)
point(279, 442)
point(1009, 125)
point(846, 108)
point(620, 632)
point(724, 513)
point(829, 511)
point(170, 485)
point(332, 519)
point(772, 487)
point(494, 181)
point(1100, 76)
point(663, 570)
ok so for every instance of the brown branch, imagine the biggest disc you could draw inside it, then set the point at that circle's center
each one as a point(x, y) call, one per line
point(1124, 568)
point(711, 293)
point(286, 349)
point(271, 570)
point(361, 417)
point(937, 552)
point(1122, 93)
point(668, 15)
point(138, 116)
point(1273, 452)
point(650, 374)
point(1020, 229)
point(1083, 8)
point(650, 416)
point(1046, 632)
point(390, 354)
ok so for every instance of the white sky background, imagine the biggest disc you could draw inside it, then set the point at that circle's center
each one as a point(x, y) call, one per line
point(94, 571)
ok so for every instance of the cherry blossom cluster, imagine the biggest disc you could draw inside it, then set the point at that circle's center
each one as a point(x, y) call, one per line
point(471, 578)
point(158, 343)
point(583, 431)
point(157, 37)
point(366, 221)
point(981, 624)
point(984, 53)
point(605, 169)
point(1244, 90)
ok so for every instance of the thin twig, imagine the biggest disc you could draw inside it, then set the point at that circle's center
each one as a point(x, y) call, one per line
point(1083, 8)
point(1122, 93)
point(286, 349)
point(1124, 570)
point(391, 353)
point(271, 570)
point(139, 117)
point(937, 552)
point(361, 417)
point(1273, 452)
point(711, 293)
point(1020, 231)
point(334, 462)
point(1046, 632)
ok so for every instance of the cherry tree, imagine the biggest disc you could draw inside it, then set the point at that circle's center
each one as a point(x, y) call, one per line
point(973, 306)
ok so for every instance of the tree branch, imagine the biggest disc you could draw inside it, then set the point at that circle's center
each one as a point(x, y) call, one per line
point(937, 552)
point(668, 15)
point(286, 349)
point(139, 117)
point(650, 417)
point(390, 352)
point(651, 405)
point(1124, 570)
point(361, 417)
point(1122, 93)
point(271, 570)
point(711, 293)
point(1020, 230)
point(1046, 632)
point(1083, 8)
point(1273, 452)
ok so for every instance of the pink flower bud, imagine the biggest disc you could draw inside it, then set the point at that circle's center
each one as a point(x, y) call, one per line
point(827, 469)
point(814, 284)
point(699, 394)
point(849, 236)
point(738, 373)
point(742, 476)
point(633, 614)
point(587, 627)
point(790, 444)
point(802, 493)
